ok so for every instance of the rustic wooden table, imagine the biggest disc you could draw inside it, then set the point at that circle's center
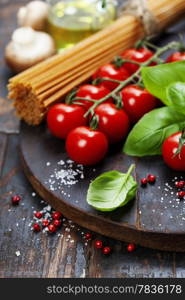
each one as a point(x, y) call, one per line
point(64, 254)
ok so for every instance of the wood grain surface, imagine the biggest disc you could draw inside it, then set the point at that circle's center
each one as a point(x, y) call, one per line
point(52, 256)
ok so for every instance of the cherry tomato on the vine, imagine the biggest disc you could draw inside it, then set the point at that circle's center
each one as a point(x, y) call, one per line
point(138, 55)
point(91, 91)
point(112, 72)
point(177, 56)
point(169, 148)
point(137, 102)
point(62, 118)
point(113, 122)
point(86, 146)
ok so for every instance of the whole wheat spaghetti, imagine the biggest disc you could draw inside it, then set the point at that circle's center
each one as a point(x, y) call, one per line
point(34, 90)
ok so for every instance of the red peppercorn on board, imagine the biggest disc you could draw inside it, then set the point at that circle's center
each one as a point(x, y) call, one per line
point(154, 219)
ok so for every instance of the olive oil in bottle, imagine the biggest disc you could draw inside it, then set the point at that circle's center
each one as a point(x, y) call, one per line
point(70, 21)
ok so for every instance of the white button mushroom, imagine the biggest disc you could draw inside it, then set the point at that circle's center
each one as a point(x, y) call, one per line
point(27, 48)
point(34, 15)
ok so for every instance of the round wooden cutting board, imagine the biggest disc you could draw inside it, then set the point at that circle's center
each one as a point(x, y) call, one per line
point(156, 218)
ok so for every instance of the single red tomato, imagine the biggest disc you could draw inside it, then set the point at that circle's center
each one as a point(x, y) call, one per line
point(177, 56)
point(62, 118)
point(113, 122)
point(86, 146)
point(169, 148)
point(91, 91)
point(137, 102)
point(138, 55)
point(112, 72)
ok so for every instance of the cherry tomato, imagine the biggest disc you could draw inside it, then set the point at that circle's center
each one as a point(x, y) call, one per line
point(91, 91)
point(112, 72)
point(138, 55)
point(177, 56)
point(137, 102)
point(86, 146)
point(169, 148)
point(62, 118)
point(113, 122)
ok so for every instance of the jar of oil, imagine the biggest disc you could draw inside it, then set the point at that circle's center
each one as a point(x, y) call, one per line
point(70, 21)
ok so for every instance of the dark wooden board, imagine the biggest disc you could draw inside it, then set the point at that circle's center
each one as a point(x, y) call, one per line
point(155, 219)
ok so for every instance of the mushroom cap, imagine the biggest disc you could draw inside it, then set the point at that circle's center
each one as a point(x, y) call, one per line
point(34, 14)
point(27, 48)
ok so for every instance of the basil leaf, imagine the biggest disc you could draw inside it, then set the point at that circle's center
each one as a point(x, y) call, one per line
point(157, 79)
point(176, 96)
point(111, 190)
point(148, 134)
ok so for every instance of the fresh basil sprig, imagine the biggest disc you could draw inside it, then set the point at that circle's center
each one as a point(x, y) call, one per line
point(111, 190)
point(148, 134)
point(157, 79)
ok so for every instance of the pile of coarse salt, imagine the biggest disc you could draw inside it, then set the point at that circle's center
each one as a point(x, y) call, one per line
point(66, 174)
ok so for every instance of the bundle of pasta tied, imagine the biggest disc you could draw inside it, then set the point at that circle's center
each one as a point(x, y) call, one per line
point(34, 90)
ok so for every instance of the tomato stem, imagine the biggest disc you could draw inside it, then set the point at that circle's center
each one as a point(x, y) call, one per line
point(134, 77)
point(119, 61)
point(109, 79)
point(171, 45)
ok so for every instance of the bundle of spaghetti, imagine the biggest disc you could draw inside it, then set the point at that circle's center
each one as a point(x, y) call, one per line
point(35, 89)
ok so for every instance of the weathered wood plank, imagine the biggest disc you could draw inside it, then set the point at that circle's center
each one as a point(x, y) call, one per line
point(8, 121)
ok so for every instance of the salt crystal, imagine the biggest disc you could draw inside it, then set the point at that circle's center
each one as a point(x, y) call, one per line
point(68, 175)
point(18, 253)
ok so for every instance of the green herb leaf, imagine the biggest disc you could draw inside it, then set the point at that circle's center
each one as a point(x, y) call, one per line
point(158, 78)
point(148, 134)
point(112, 190)
point(176, 96)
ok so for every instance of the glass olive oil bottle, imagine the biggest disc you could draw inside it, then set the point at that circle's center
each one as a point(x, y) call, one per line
point(70, 21)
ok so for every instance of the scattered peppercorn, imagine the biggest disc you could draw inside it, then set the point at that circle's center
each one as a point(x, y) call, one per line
point(56, 215)
point(88, 236)
point(131, 247)
point(57, 223)
point(16, 199)
point(38, 214)
point(45, 223)
point(98, 244)
point(151, 178)
point(52, 228)
point(181, 194)
point(180, 184)
point(106, 250)
point(144, 181)
point(36, 227)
